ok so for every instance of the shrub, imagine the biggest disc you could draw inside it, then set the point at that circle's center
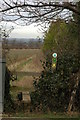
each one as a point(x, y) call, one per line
point(8, 101)
point(52, 90)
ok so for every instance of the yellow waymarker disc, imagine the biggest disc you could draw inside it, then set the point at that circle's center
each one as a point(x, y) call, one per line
point(53, 65)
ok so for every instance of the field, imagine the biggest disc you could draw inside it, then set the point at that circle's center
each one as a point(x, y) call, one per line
point(25, 63)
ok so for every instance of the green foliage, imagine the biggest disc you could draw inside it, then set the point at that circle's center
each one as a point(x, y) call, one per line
point(53, 88)
point(8, 102)
point(61, 37)
point(78, 31)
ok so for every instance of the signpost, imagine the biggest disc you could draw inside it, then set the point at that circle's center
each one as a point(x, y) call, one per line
point(54, 60)
point(2, 77)
point(2, 83)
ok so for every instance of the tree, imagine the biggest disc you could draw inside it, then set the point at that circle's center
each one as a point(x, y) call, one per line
point(29, 11)
point(61, 37)
point(77, 84)
point(5, 34)
point(52, 88)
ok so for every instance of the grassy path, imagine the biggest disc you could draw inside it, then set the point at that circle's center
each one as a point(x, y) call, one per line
point(26, 64)
point(18, 65)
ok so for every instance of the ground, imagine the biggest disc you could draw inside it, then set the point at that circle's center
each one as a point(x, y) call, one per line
point(26, 64)
point(42, 116)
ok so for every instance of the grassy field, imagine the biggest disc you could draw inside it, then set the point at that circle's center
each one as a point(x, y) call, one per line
point(16, 55)
point(18, 58)
point(24, 61)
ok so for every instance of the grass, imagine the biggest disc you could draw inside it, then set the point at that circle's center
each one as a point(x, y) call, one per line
point(22, 64)
point(19, 77)
point(20, 55)
point(16, 89)
point(25, 60)
point(16, 55)
point(22, 59)
point(46, 115)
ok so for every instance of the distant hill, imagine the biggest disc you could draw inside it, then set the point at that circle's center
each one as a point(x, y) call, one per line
point(21, 43)
point(24, 39)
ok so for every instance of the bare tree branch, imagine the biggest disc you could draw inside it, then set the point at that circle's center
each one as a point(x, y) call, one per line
point(64, 5)
point(28, 11)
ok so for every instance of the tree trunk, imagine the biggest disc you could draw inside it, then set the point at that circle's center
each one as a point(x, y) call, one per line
point(72, 99)
point(73, 94)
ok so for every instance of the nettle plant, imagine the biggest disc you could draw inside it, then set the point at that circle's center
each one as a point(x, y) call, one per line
point(55, 86)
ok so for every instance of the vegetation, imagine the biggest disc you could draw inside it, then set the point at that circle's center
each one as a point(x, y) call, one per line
point(8, 101)
point(29, 65)
point(61, 37)
point(52, 88)
point(61, 84)
point(55, 86)
point(19, 55)
point(22, 44)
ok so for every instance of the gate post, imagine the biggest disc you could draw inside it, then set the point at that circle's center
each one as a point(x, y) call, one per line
point(2, 83)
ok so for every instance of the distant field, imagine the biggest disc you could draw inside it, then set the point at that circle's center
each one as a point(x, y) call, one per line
point(15, 55)
point(23, 62)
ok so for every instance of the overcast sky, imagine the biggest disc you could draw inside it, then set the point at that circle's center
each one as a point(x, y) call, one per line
point(30, 31)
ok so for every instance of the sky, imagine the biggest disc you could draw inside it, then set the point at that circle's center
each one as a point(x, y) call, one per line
point(30, 31)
